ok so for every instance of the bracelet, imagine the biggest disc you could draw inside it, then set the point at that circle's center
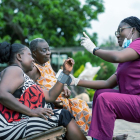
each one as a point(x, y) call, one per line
point(63, 78)
point(95, 49)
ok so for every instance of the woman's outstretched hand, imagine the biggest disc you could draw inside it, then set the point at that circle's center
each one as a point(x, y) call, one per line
point(42, 113)
point(75, 81)
point(87, 43)
point(68, 65)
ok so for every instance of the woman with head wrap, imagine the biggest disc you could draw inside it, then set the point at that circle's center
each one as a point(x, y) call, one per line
point(110, 104)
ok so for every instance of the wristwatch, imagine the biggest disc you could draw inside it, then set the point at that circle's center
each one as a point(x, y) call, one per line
point(95, 49)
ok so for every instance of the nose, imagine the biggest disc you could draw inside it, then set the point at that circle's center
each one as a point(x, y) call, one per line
point(118, 35)
point(48, 52)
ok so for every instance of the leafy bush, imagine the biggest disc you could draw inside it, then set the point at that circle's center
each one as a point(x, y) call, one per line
point(78, 72)
point(91, 93)
point(80, 59)
point(107, 69)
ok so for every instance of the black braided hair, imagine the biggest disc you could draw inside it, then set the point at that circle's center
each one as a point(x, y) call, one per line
point(8, 51)
point(133, 22)
point(33, 44)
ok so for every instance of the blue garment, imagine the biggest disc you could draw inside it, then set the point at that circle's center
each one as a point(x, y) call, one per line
point(126, 43)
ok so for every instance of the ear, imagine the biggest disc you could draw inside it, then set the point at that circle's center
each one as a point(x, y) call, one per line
point(133, 31)
point(34, 53)
point(19, 57)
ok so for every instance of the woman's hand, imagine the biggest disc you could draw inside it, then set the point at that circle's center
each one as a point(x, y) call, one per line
point(42, 112)
point(68, 66)
point(74, 81)
point(66, 92)
point(87, 43)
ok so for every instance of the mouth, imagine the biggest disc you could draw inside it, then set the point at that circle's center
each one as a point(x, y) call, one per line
point(48, 56)
point(119, 40)
point(32, 64)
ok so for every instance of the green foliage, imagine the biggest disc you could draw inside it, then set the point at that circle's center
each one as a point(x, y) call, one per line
point(91, 93)
point(5, 38)
point(95, 77)
point(107, 69)
point(60, 22)
point(79, 59)
point(78, 72)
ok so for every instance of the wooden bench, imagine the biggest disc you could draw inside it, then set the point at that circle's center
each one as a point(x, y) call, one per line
point(50, 134)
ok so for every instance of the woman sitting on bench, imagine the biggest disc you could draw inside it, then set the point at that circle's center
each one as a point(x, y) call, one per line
point(30, 114)
point(44, 76)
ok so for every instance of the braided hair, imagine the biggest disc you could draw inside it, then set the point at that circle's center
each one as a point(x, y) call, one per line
point(133, 22)
point(8, 51)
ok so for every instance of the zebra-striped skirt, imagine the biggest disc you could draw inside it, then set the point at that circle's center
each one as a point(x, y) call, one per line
point(14, 125)
point(32, 125)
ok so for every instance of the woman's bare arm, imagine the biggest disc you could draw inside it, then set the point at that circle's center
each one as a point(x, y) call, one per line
point(125, 55)
point(11, 80)
point(99, 84)
point(51, 95)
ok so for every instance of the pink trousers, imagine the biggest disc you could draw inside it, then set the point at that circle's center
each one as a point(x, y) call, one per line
point(109, 105)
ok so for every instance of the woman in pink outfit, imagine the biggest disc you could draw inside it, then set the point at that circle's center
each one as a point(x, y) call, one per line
point(110, 104)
